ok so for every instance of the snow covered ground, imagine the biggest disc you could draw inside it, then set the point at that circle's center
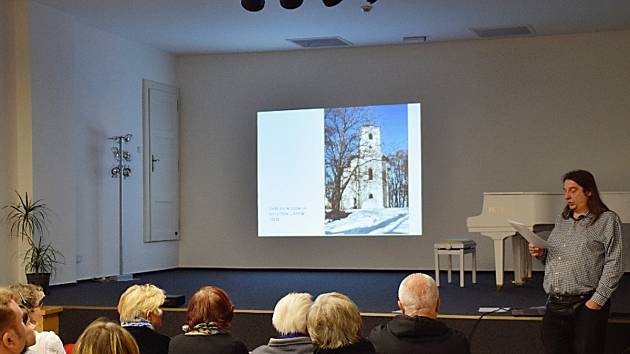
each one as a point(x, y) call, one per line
point(378, 221)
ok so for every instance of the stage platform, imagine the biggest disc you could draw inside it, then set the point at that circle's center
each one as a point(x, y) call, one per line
point(255, 293)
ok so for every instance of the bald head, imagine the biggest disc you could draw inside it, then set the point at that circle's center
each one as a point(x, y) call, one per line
point(418, 296)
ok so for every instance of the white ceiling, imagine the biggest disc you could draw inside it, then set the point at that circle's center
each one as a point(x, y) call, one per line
point(223, 26)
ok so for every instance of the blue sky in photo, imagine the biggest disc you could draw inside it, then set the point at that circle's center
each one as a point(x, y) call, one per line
point(393, 122)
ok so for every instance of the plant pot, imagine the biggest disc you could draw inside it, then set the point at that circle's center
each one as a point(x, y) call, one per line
point(41, 279)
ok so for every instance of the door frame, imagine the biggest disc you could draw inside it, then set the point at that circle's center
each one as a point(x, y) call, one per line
point(148, 85)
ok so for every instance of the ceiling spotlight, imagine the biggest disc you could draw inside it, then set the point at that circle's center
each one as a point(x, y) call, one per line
point(291, 4)
point(331, 3)
point(253, 5)
point(367, 7)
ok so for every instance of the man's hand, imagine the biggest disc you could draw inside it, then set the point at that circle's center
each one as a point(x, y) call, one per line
point(593, 305)
point(536, 251)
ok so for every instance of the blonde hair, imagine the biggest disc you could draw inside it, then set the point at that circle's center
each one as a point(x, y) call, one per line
point(7, 316)
point(289, 315)
point(334, 321)
point(28, 296)
point(418, 291)
point(139, 300)
point(102, 337)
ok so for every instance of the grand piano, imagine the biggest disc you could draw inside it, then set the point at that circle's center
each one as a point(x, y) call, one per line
point(535, 210)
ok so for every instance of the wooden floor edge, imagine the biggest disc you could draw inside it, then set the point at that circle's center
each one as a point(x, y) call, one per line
point(363, 314)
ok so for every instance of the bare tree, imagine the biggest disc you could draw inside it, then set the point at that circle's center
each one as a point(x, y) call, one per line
point(342, 135)
point(398, 179)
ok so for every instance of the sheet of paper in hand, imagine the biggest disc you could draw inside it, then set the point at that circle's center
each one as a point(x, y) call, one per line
point(528, 234)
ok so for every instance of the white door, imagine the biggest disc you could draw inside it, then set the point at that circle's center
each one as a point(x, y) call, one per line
point(161, 161)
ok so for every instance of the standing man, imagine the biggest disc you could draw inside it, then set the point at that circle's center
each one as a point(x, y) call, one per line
point(582, 269)
point(418, 331)
point(14, 332)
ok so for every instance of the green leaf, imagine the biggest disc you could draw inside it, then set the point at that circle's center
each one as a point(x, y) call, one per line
point(28, 221)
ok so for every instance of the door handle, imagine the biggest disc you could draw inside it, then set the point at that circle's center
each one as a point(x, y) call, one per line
point(153, 161)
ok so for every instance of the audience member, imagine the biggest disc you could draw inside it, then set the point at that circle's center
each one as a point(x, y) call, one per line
point(418, 331)
point(289, 319)
point(334, 324)
point(210, 312)
point(31, 299)
point(16, 331)
point(140, 314)
point(105, 337)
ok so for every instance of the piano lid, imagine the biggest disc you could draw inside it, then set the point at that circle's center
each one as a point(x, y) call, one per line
point(534, 208)
point(529, 208)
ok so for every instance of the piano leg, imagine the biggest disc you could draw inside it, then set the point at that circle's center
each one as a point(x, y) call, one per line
point(437, 267)
point(517, 259)
point(461, 268)
point(474, 266)
point(522, 260)
point(528, 265)
point(498, 262)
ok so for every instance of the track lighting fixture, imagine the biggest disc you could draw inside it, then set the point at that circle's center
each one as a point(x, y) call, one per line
point(253, 5)
point(291, 4)
point(257, 5)
point(331, 3)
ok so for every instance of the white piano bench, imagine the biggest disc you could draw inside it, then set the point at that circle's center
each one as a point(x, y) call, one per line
point(458, 247)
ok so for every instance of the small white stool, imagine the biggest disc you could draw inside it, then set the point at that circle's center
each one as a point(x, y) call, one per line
point(451, 248)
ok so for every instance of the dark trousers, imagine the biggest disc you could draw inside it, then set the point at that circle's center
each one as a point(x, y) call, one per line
point(582, 332)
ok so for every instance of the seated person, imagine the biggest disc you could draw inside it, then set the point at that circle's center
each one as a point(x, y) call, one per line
point(31, 299)
point(418, 331)
point(289, 319)
point(140, 315)
point(208, 318)
point(334, 324)
point(105, 337)
point(16, 329)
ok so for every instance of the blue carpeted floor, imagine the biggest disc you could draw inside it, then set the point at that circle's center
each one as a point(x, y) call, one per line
point(373, 291)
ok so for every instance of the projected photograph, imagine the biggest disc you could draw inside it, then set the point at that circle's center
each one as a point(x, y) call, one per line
point(344, 171)
point(366, 169)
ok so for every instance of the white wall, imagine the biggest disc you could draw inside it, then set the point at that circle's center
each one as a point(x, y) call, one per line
point(5, 136)
point(16, 123)
point(498, 115)
point(87, 86)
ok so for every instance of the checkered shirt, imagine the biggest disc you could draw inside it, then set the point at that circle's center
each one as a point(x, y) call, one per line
point(582, 257)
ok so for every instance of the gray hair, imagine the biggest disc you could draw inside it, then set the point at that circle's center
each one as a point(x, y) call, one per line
point(418, 291)
point(289, 315)
point(334, 321)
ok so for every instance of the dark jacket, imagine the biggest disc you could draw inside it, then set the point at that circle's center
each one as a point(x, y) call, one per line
point(149, 341)
point(198, 344)
point(418, 335)
point(294, 345)
point(361, 347)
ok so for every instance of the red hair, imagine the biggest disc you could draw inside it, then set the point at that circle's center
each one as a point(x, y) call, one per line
point(210, 304)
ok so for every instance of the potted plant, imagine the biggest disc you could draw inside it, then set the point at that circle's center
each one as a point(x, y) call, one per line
point(28, 220)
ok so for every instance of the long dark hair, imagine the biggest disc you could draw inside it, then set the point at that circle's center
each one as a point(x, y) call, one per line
point(586, 180)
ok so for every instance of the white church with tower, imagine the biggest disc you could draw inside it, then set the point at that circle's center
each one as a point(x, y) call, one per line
point(368, 186)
